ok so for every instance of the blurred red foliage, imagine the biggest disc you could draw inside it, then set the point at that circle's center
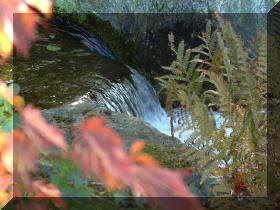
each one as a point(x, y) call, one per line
point(18, 154)
point(96, 148)
point(99, 149)
point(18, 22)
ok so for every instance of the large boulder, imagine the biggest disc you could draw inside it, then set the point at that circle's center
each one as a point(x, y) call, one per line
point(128, 127)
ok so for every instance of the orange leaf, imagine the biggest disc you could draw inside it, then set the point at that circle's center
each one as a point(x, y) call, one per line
point(6, 167)
point(18, 22)
point(25, 157)
point(6, 92)
point(146, 160)
point(6, 45)
point(97, 148)
point(7, 156)
point(39, 130)
point(137, 146)
point(45, 190)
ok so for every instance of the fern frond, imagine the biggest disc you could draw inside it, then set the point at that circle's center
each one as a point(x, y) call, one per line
point(239, 78)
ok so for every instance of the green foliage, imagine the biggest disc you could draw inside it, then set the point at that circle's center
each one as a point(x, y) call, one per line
point(63, 119)
point(8, 118)
point(239, 79)
point(70, 180)
point(87, 192)
point(167, 157)
point(6, 70)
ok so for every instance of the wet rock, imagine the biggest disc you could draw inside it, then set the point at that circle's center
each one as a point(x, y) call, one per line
point(128, 127)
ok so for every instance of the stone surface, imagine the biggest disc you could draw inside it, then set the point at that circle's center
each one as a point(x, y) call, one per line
point(128, 127)
point(175, 6)
point(116, 11)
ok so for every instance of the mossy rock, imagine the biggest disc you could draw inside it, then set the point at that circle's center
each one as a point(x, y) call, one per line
point(128, 127)
point(116, 41)
point(63, 119)
point(6, 70)
point(167, 157)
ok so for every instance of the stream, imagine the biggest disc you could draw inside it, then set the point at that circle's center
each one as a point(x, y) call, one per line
point(79, 67)
point(134, 97)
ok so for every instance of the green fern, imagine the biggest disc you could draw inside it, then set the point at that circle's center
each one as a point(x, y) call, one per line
point(240, 86)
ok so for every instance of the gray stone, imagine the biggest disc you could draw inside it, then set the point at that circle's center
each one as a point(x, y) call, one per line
point(128, 127)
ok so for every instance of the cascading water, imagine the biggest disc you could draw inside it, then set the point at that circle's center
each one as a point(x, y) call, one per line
point(134, 96)
point(137, 98)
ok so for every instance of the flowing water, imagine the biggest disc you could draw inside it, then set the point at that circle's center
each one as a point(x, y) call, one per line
point(135, 96)
point(85, 69)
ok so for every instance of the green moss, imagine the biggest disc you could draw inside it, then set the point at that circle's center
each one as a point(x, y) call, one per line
point(125, 49)
point(6, 70)
point(117, 42)
point(84, 112)
point(168, 157)
point(62, 126)
point(92, 114)
point(63, 119)
point(89, 113)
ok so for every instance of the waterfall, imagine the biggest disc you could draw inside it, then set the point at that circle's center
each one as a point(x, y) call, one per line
point(134, 96)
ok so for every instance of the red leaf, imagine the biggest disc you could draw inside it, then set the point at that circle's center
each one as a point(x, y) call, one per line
point(45, 190)
point(25, 156)
point(145, 159)
point(34, 133)
point(6, 92)
point(137, 146)
point(18, 23)
point(99, 149)
point(37, 129)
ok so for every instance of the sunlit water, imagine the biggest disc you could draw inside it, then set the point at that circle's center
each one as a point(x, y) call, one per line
point(135, 97)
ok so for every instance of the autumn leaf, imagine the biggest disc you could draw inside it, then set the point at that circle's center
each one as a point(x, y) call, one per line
point(7, 155)
point(6, 92)
point(38, 130)
point(137, 146)
point(239, 187)
point(138, 157)
point(6, 167)
point(18, 22)
point(33, 133)
point(25, 157)
point(43, 196)
point(45, 190)
point(97, 148)
point(145, 159)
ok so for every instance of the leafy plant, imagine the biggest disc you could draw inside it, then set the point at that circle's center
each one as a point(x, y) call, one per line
point(238, 90)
